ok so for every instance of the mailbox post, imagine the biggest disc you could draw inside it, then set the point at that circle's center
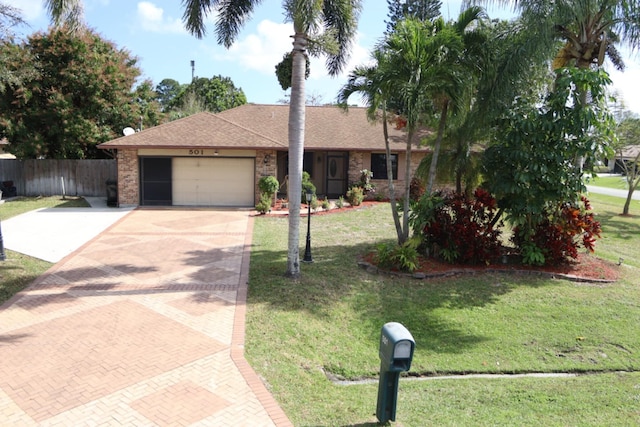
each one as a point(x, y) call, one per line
point(396, 353)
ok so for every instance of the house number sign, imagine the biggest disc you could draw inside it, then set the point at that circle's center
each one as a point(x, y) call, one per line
point(196, 152)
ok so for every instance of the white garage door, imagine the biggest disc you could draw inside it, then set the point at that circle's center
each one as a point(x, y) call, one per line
point(213, 181)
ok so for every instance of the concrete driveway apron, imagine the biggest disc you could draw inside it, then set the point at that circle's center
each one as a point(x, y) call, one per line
point(143, 325)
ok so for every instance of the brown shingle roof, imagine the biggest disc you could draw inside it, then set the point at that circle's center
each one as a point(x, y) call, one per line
point(629, 152)
point(252, 126)
point(198, 130)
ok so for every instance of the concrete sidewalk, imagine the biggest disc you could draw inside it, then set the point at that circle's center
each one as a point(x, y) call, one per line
point(141, 326)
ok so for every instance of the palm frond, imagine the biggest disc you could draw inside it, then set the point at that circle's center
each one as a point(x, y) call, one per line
point(66, 12)
point(195, 12)
point(232, 15)
point(341, 18)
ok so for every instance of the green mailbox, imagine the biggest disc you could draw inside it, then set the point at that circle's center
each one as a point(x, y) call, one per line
point(396, 353)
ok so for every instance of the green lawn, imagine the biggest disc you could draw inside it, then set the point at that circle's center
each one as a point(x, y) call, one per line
point(328, 325)
point(616, 182)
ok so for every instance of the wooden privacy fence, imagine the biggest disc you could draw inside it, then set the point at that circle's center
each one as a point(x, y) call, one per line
point(47, 177)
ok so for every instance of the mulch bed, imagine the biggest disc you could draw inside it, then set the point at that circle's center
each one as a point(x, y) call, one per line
point(585, 268)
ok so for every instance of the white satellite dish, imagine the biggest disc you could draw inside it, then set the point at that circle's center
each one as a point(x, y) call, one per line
point(128, 131)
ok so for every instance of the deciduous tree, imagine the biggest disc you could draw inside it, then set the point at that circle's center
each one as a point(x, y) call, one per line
point(167, 92)
point(529, 166)
point(216, 94)
point(80, 96)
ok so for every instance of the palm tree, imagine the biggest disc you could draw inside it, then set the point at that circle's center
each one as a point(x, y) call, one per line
point(367, 81)
point(463, 68)
point(320, 27)
point(415, 65)
point(418, 68)
point(590, 29)
point(503, 74)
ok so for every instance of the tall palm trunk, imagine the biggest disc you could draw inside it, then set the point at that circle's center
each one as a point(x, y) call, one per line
point(296, 151)
point(407, 187)
point(436, 148)
point(392, 189)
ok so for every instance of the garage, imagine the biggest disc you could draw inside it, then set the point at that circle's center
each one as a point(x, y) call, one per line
point(214, 181)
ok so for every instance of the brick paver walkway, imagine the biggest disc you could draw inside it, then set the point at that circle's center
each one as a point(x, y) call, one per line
point(142, 326)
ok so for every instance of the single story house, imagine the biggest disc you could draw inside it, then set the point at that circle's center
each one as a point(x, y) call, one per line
point(217, 159)
point(628, 154)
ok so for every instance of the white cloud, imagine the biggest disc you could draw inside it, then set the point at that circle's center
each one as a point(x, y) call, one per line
point(626, 85)
point(31, 9)
point(152, 18)
point(260, 51)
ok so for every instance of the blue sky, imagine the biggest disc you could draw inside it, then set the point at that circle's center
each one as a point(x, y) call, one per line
point(152, 31)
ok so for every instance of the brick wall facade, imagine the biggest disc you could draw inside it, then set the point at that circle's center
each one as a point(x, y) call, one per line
point(128, 178)
point(265, 164)
point(356, 164)
point(359, 161)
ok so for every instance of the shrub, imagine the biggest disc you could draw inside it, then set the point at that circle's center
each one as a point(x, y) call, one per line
point(307, 185)
point(458, 228)
point(314, 203)
point(355, 196)
point(264, 205)
point(268, 185)
point(340, 202)
point(557, 238)
point(398, 257)
point(326, 204)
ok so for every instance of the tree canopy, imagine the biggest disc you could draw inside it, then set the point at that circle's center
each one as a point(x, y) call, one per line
point(214, 94)
point(529, 166)
point(217, 93)
point(79, 96)
point(167, 91)
point(422, 10)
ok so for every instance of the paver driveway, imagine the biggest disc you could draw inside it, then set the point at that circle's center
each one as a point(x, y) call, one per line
point(143, 326)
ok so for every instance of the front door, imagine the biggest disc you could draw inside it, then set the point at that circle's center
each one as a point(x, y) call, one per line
point(337, 165)
point(155, 181)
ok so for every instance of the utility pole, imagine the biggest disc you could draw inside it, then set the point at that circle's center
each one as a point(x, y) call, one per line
point(193, 70)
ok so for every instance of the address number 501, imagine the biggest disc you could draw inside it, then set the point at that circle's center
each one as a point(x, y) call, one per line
point(196, 152)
